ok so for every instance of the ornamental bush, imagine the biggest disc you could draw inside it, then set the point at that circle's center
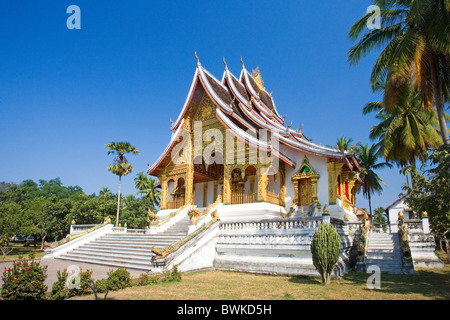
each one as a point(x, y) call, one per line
point(78, 284)
point(325, 249)
point(24, 281)
point(119, 279)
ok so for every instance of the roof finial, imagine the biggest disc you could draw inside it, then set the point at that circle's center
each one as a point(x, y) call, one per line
point(225, 63)
point(196, 57)
point(242, 61)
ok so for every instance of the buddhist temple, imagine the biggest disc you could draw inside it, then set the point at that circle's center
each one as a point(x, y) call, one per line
point(229, 143)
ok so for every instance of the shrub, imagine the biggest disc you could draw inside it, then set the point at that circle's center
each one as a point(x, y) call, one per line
point(119, 279)
point(325, 249)
point(172, 275)
point(59, 289)
point(167, 276)
point(24, 281)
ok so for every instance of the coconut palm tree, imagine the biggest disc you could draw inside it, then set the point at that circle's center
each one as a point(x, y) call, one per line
point(105, 193)
point(406, 133)
point(414, 35)
point(345, 144)
point(146, 187)
point(120, 166)
point(368, 161)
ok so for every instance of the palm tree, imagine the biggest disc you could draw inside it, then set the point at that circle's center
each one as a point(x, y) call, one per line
point(416, 44)
point(146, 187)
point(120, 165)
point(368, 161)
point(105, 193)
point(408, 132)
point(140, 181)
point(345, 144)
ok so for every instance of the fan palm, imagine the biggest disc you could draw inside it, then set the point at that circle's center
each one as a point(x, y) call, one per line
point(368, 161)
point(120, 166)
point(415, 37)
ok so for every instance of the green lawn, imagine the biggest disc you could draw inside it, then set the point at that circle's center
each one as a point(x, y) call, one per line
point(222, 285)
point(22, 250)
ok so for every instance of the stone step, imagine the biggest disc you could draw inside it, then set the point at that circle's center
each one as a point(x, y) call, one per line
point(144, 240)
point(133, 253)
point(135, 243)
point(113, 262)
point(122, 256)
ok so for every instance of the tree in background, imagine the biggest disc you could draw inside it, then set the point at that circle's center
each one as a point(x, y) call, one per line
point(344, 144)
point(430, 192)
point(120, 166)
point(368, 161)
point(379, 216)
point(146, 187)
point(414, 35)
point(407, 133)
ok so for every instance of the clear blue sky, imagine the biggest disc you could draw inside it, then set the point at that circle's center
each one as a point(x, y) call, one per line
point(65, 93)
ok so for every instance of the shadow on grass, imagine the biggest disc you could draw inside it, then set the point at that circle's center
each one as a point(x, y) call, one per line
point(431, 283)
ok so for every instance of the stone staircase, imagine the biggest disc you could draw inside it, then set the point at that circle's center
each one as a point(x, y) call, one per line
point(383, 250)
point(127, 250)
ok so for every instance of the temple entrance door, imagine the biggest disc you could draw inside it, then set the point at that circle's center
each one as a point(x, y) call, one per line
point(304, 192)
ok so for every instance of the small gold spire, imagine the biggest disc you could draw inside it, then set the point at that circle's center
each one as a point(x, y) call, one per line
point(300, 129)
point(289, 125)
point(196, 57)
point(270, 94)
point(242, 62)
point(225, 63)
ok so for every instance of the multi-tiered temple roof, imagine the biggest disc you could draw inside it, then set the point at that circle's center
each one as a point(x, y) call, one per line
point(243, 105)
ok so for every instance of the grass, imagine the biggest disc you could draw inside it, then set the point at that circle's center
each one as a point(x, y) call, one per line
point(20, 250)
point(427, 284)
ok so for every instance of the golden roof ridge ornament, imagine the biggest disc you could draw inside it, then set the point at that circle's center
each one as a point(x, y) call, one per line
point(198, 61)
point(242, 62)
point(256, 74)
point(225, 63)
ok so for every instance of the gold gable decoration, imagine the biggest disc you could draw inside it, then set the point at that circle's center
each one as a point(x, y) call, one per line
point(258, 79)
point(305, 171)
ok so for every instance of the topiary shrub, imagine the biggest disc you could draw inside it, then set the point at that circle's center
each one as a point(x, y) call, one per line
point(24, 281)
point(325, 249)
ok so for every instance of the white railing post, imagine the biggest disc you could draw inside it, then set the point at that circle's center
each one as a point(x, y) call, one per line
point(326, 214)
point(425, 223)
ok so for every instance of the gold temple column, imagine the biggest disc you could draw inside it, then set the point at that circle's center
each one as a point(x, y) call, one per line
point(334, 169)
point(296, 195)
point(189, 180)
point(263, 180)
point(226, 191)
point(164, 191)
point(314, 195)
